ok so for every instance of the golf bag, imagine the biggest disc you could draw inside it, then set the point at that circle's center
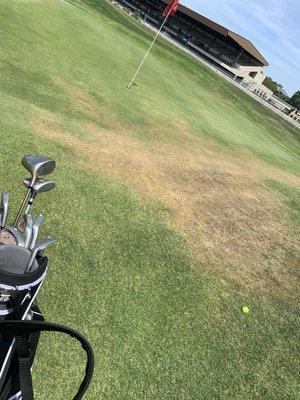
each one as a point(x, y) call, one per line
point(23, 269)
point(21, 323)
point(17, 302)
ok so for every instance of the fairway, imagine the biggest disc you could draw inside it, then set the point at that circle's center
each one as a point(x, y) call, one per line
point(177, 203)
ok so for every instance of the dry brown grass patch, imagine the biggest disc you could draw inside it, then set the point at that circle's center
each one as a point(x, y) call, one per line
point(219, 202)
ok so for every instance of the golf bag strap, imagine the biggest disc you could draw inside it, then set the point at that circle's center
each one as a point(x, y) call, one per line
point(22, 329)
point(24, 356)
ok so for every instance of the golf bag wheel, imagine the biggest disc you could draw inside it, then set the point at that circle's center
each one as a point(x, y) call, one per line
point(22, 330)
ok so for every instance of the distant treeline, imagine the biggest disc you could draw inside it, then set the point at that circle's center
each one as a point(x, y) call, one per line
point(279, 91)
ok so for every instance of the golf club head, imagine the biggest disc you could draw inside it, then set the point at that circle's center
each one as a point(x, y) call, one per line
point(40, 186)
point(5, 205)
point(38, 166)
point(17, 236)
point(28, 230)
point(42, 244)
point(27, 182)
point(35, 230)
point(39, 247)
point(21, 226)
point(8, 238)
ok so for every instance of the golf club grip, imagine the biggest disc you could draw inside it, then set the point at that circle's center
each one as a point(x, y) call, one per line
point(27, 327)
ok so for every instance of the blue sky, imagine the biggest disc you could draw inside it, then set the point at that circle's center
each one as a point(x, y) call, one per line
point(272, 25)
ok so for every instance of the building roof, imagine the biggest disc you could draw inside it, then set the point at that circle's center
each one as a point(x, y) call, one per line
point(240, 40)
point(248, 46)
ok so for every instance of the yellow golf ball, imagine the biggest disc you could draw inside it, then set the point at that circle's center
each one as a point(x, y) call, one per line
point(245, 309)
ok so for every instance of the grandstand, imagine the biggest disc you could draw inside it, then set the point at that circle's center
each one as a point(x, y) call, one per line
point(228, 51)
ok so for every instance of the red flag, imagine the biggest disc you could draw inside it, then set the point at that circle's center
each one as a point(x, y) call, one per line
point(171, 8)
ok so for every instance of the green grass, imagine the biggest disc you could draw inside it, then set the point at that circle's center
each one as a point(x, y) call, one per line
point(161, 325)
point(291, 197)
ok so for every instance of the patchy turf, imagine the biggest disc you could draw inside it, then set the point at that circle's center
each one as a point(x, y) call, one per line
point(176, 204)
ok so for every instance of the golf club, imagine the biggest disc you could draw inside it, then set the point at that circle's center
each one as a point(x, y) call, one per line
point(35, 230)
point(7, 238)
point(38, 247)
point(23, 269)
point(40, 186)
point(37, 166)
point(5, 205)
point(12, 236)
point(18, 236)
point(28, 230)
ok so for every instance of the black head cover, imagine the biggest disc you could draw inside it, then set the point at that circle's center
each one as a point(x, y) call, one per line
point(14, 261)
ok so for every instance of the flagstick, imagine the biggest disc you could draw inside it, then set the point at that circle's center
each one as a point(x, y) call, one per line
point(146, 55)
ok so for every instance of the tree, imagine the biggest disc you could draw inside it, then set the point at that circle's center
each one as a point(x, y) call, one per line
point(279, 91)
point(295, 100)
point(283, 96)
point(276, 88)
point(270, 84)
